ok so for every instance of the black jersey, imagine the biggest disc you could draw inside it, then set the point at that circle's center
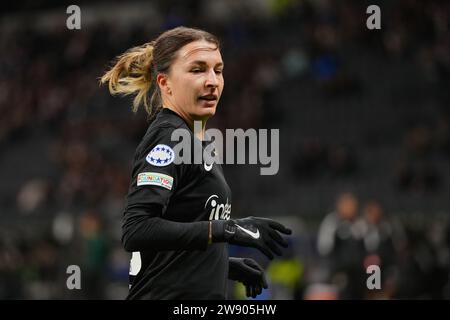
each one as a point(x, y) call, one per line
point(165, 222)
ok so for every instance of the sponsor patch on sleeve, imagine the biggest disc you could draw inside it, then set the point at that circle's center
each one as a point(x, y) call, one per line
point(155, 179)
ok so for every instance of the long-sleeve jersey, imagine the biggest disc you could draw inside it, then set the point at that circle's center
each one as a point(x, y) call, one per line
point(166, 219)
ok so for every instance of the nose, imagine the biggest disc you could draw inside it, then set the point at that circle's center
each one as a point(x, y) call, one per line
point(211, 80)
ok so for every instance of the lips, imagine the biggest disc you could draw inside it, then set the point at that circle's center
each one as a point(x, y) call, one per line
point(208, 97)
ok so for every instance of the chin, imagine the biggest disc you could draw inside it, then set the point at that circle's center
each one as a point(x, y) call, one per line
point(206, 112)
point(211, 111)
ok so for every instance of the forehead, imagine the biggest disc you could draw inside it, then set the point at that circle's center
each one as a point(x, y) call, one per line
point(200, 51)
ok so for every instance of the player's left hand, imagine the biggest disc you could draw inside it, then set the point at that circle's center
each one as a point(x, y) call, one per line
point(250, 273)
point(261, 233)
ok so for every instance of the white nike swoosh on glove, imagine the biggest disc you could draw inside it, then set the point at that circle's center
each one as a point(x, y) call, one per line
point(254, 235)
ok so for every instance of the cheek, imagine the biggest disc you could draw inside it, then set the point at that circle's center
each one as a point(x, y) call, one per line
point(186, 91)
point(221, 85)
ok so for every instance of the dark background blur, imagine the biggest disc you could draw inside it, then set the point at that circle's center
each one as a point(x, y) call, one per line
point(364, 121)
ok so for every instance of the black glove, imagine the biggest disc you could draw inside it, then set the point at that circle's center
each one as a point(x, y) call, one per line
point(250, 273)
point(260, 233)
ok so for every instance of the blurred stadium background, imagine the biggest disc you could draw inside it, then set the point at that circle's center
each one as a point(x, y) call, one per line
point(364, 141)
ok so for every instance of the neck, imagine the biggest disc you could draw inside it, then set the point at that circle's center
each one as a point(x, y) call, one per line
point(199, 129)
point(196, 125)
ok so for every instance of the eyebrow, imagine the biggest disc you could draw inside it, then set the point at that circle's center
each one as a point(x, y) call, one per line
point(203, 63)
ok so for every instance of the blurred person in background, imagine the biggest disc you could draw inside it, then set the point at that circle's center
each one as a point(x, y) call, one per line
point(425, 259)
point(382, 242)
point(180, 248)
point(340, 242)
point(95, 249)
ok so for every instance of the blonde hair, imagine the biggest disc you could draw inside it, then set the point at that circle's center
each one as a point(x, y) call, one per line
point(134, 72)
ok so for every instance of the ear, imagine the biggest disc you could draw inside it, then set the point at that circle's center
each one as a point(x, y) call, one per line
point(163, 83)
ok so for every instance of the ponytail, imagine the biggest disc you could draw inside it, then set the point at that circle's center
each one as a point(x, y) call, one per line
point(132, 74)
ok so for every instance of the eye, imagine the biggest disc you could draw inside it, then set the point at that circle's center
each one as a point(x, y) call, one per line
point(196, 70)
point(218, 71)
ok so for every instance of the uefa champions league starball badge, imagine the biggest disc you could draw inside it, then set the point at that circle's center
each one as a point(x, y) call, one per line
point(161, 155)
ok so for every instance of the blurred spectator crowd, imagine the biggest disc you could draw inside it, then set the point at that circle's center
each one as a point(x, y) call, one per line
point(66, 145)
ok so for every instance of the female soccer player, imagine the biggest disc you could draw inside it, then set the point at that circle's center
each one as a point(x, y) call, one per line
point(177, 216)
